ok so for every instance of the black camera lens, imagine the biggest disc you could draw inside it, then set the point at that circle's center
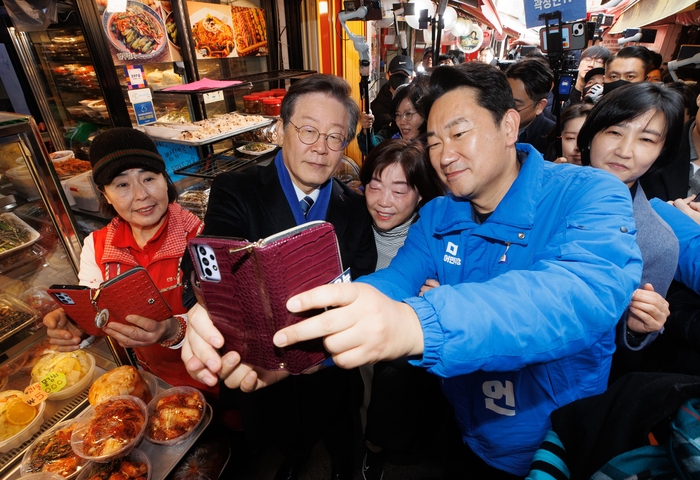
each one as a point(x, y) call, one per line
point(213, 258)
point(202, 250)
point(208, 272)
point(214, 267)
point(205, 261)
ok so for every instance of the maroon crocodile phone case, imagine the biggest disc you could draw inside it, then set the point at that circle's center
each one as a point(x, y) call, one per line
point(248, 303)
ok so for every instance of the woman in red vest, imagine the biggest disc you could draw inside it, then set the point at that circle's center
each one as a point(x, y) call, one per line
point(148, 230)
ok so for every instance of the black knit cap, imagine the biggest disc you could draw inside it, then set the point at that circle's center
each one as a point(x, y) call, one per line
point(122, 148)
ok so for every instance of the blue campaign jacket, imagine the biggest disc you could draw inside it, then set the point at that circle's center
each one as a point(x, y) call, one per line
point(688, 233)
point(524, 321)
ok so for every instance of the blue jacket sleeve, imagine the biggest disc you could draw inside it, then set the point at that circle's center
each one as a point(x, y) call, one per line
point(688, 233)
point(568, 296)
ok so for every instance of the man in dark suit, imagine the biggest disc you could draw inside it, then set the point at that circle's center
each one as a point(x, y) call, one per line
point(319, 118)
point(531, 81)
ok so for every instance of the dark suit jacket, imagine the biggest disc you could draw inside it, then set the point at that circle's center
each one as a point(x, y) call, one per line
point(671, 182)
point(536, 133)
point(252, 205)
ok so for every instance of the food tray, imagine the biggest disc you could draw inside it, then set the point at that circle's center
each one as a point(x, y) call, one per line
point(14, 316)
point(165, 458)
point(26, 467)
point(224, 135)
point(33, 234)
point(256, 153)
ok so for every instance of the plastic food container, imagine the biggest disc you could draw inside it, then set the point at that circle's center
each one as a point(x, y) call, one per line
point(26, 432)
point(31, 462)
point(272, 106)
point(251, 103)
point(151, 380)
point(82, 384)
point(83, 191)
point(184, 403)
point(92, 469)
point(22, 181)
point(42, 476)
point(120, 409)
point(61, 155)
point(279, 92)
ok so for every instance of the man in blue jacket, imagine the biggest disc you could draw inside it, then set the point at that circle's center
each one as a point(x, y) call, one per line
point(536, 263)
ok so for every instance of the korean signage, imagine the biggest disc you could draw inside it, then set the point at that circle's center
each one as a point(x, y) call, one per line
point(571, 10)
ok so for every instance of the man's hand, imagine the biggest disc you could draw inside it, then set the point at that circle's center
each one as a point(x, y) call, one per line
point(428, 285)
point(648, 310)
point(199, 353)
point(689, 207)
point(366, 327)
point(366, 120)
point(61, 331)
point(142, 331)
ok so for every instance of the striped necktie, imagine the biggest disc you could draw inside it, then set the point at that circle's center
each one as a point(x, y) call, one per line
point(305, 204)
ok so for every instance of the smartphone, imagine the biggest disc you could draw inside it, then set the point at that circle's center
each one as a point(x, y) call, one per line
point(208, 265)
point(76, 301)
point(697, 198)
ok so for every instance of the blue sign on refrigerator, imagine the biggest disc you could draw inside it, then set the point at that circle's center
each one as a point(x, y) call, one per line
point(145, 113)
point(571, 10)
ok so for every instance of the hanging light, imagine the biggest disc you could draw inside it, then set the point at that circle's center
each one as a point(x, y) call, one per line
point(459, 28)
point(449, 18)
point(412, 20)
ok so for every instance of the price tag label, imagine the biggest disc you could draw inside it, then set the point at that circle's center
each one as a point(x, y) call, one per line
point(53, 382)
point(213, 96)
point(34, 394)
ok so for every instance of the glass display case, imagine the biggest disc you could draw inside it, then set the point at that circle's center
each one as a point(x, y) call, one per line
point(39, 247)
point(60, 67)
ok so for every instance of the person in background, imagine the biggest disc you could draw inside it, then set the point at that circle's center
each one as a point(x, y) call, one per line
point(400, 72)
point(149, 230)
point(571, 122)
point(319, 118)
point(486, 55)
point(592, 57)
point(690, 92)
point(634, 129)
point(594, 86)
point(531, 80)
point(406, 118)
point(680, 178)
point(655, 76)
point(628, 65)
point(446, 59)
point(458, 56)
point(405, 401)
point(528, 298)
point(427, 60)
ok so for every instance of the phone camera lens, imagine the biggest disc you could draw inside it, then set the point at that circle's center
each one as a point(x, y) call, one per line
point(205, 261)
point(208, 272)
point(202, 250)
point(212, 257)
point(215, 268)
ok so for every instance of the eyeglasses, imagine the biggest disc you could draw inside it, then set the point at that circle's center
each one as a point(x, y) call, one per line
point(408, 116)
point(309, 135)
point(524, 107)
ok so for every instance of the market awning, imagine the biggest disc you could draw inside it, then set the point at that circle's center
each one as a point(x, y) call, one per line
point(645, 12)
point(491, 14)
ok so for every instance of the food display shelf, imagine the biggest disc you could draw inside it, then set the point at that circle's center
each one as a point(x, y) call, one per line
point(221, 136)
point(210, 167)
point(204, 90)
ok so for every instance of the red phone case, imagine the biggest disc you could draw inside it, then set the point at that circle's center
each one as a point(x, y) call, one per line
point(131, 293)
point(248, 305)
point(81, 311)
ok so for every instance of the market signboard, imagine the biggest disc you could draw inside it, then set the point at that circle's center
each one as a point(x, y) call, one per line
point(571, 10)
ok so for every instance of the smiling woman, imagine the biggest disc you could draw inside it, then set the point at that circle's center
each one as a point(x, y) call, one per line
point(632, 130)
point(148, 230)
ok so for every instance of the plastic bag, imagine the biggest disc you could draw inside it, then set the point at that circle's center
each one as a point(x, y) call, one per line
point(32, 15)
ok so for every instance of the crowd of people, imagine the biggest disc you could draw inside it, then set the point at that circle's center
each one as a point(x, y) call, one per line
point(507, 265)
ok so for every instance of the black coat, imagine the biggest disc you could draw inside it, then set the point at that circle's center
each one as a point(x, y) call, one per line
point(252, 205)
point(672, 181)
point(537, 132)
